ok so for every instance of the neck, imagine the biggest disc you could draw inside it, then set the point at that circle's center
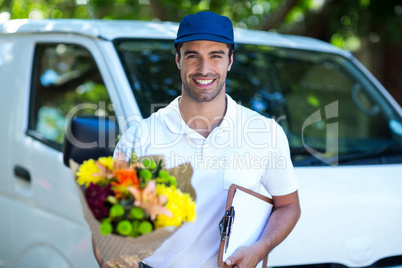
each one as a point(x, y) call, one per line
point(203, 117)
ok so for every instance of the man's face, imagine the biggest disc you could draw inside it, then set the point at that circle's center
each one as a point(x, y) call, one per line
point(203, 67)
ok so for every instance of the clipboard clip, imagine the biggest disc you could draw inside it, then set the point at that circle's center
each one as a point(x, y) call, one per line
point(225, 226)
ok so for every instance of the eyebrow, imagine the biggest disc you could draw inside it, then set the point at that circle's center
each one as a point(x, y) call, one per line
point(221, 52)
point(217, 52)
point(190, 52)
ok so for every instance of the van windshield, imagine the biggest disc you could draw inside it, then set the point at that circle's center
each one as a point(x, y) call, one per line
point(327, 107)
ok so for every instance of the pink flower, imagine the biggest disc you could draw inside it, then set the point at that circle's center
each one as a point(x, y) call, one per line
point(149, 201)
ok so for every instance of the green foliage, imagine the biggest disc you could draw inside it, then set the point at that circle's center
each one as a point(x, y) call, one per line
point(116, 211)
point(163, 174)
point(173, 181)
point(106, 228)
point(149, 163)
point(137, 213)
point(124, 228)
point(146, 174)
point(145, 227)
point(346, 20)
point(347, 24)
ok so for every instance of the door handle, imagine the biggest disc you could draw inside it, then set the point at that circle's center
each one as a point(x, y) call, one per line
point(22, 173)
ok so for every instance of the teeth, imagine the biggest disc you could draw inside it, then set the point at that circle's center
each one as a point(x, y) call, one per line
point(204, 82)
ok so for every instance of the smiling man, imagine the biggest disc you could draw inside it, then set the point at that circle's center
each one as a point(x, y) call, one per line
point(225, 143)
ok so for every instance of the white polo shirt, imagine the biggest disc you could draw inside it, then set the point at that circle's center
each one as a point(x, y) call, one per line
point(246, 148)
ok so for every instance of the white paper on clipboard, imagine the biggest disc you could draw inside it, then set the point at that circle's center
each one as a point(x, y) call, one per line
point(251, 217)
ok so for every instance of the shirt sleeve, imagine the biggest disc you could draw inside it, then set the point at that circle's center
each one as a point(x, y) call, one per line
point(279, 178)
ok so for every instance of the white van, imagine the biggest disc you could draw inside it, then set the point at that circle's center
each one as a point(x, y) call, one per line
point(344, 129)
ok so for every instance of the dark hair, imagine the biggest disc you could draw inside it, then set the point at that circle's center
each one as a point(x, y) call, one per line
point(178, 47)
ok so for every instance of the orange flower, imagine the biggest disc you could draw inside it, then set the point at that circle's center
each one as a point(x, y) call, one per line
point(125, 178)
point(149, 201)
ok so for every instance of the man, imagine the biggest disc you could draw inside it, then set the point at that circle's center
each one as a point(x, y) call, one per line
point(225, 143)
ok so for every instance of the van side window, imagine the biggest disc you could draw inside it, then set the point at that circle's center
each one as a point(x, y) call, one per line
point(65, 82)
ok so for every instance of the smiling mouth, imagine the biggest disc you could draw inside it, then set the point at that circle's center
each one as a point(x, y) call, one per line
point(204, 82)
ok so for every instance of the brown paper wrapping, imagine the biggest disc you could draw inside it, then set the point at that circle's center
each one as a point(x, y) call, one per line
point(120, 252)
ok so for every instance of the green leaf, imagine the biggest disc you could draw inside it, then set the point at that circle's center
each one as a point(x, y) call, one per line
point(134, 158)
point(111, 199)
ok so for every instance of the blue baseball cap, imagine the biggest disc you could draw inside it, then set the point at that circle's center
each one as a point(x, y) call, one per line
point(205, 25)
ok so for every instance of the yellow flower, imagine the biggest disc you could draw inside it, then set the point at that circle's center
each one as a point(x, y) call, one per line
point(107, 161)
point(189, 208)
point(105, 166)
point(180, 204)
point(86, 171)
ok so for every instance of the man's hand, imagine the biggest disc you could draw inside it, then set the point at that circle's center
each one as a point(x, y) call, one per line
point(284, 217)
point(243, 257)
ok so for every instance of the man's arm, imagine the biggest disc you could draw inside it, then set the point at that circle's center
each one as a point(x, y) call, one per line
point(284, 217)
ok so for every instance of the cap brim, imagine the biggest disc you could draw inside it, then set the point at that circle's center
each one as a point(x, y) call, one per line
point(199, 37)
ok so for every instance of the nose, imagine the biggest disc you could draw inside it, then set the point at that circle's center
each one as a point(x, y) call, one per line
point(204, 66)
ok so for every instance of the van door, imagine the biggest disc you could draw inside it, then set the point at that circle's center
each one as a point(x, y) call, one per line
point(66, 77)
point(7, 50)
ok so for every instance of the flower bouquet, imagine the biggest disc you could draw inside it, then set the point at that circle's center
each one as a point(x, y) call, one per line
point(132, 207)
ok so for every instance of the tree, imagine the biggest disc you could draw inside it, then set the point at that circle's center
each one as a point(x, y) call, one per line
point(328, 20)
point(368, 28)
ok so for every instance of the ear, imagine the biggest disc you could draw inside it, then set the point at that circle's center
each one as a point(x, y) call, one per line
point(177, 61)
point(230, 62)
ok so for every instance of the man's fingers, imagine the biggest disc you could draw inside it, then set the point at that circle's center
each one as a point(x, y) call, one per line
point(235, 258)
point(228, 262)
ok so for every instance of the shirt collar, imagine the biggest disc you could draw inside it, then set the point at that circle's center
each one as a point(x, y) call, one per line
point(172, 116)
point(176, 124)
point(230, 116)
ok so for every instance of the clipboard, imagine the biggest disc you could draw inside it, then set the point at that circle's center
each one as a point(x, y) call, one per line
point(246, 215)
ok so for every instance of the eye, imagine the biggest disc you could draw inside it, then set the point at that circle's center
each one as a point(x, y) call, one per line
point(217, 56)
point(191, 56)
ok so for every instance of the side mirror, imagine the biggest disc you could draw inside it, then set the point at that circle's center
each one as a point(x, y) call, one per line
point(89, 137)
